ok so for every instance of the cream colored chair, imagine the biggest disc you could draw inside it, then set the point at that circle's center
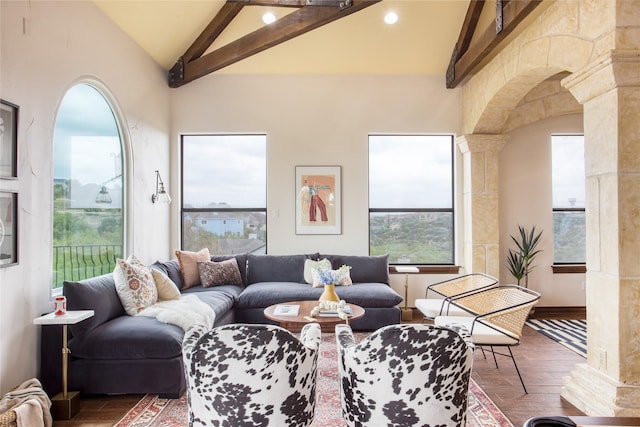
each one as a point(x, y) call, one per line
point(494, 317)
point(437, 297)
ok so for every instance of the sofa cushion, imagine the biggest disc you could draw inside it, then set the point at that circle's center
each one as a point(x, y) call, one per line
point(97, 294)
point(275, 268)
point(264, 294)
point(189, 265)
point(364, 269)
point(220, 298)
point(219, 273)
point(129, 337)
point(241, 259)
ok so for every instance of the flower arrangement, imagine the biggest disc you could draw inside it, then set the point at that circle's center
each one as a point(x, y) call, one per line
point(333, 277)
point(330, 305)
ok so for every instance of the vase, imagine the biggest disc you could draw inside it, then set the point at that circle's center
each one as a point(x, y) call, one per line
point(329, 293)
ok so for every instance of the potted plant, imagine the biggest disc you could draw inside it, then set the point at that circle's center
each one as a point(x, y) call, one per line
point(520, 261)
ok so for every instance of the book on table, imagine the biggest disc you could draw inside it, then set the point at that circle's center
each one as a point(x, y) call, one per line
point(286, 310)
point(334, 313)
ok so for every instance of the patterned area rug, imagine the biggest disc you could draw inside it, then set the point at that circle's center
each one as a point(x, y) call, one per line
point(152, 411)
point(570, 333)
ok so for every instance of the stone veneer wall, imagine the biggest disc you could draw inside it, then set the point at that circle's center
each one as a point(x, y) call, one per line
point(597, 43)
point(548, 99)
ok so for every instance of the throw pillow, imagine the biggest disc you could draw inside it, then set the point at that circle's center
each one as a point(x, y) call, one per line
point(219, 273)
point(189, 265)
point(310, 266)
point(167, 290)
point(134, 285)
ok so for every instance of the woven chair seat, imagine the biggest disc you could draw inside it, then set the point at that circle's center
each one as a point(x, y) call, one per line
point(8, 419)
point(482, 334)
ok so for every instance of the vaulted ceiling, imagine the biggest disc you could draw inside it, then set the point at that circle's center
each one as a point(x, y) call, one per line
point(420, 42)
point(193, 38)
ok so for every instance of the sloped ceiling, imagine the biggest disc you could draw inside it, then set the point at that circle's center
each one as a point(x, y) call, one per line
point(421, 42)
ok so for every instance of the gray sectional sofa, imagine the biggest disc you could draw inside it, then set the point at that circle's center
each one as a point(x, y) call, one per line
point(114, 353)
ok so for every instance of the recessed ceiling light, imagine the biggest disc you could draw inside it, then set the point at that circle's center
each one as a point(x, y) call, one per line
point(391, 18)
point(268, 18)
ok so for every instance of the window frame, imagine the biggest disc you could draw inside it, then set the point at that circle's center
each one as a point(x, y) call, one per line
point(184, 210)
point(126, 156)
point(449, 267)
point(568, 266)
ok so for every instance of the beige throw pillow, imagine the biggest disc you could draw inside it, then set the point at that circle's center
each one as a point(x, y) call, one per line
point(167, 290)
point(189, 265)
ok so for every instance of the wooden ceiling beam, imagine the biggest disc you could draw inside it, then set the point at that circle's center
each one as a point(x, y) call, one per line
point(512, 13)
point(217, 25)
point(315, 13)
point(272, 3)
point(469, 26)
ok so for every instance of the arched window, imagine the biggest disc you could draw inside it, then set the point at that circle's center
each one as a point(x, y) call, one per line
point(88, 186)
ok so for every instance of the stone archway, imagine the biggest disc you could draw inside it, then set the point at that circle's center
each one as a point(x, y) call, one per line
point(581, 38)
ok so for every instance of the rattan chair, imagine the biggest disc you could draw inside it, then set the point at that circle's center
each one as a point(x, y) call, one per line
point(437, 297)
point(495, 318)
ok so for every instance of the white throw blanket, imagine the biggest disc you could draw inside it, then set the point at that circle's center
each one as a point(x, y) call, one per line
point(31, 404)
point(184, 312)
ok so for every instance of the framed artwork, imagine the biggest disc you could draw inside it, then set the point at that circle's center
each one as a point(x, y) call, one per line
point(8, 228)
point(318, 200)
point(8, 140)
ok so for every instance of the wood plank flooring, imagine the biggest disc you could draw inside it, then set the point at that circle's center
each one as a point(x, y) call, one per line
point(542, 362)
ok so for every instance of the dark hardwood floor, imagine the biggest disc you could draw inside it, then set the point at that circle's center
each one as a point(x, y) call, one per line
point(542, 362)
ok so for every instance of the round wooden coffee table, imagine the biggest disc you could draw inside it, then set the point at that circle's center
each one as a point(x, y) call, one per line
point(295, 323)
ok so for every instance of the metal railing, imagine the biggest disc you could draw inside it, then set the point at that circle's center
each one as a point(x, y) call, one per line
point(78, 262)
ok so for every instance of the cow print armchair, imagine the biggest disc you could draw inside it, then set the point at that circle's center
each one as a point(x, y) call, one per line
point(405, 375)
point(251, 375)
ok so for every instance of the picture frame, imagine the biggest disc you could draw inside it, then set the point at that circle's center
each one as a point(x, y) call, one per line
point(8, 140)
point(318, 199)
point(8, 228)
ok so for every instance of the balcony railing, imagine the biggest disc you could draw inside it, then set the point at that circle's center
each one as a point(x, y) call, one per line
point(77, 262)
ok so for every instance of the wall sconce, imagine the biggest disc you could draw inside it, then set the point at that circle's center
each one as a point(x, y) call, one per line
point(161, 195)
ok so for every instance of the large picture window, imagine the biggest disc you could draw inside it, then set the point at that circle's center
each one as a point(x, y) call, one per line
point(568, 191)
point(224, 193)
point(411, 215)
point(88, 199)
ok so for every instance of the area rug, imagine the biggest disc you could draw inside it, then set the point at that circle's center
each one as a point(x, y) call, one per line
point(570, 333)
point(152, 411)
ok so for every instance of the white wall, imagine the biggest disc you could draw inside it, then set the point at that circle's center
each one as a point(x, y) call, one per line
point(525, 199)
point(315, 120)
point(46, 47)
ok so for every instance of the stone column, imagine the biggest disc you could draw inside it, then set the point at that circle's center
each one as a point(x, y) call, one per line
point(609, 383)
point(480, 207)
